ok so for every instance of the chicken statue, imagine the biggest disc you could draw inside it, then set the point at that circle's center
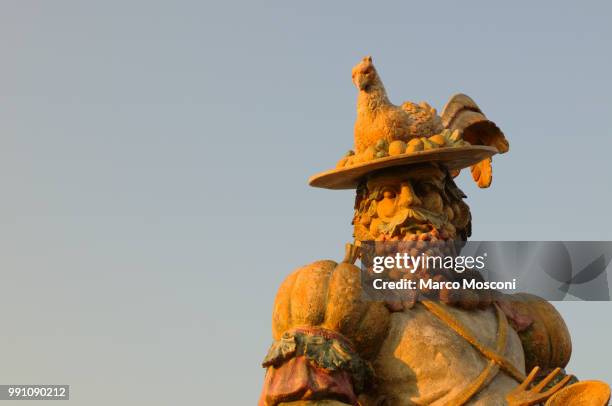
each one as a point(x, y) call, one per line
point(335, 344)
point(378, 118)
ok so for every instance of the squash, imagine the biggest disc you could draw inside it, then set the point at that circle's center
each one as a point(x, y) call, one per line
point(438, 139)
point(327, 294)
point(397, 147)
point(414, 145)
point(546, 342)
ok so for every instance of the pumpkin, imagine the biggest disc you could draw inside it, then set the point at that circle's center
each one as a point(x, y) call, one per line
point(397, 147)
point(327, 294)
point(546, 342)
point(368, 154)
point(414, 145)
point(438, 139)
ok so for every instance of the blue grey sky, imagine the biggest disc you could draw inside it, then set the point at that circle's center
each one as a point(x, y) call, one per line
point(154, 158)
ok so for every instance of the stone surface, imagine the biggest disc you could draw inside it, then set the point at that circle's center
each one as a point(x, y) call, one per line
point(423, 362)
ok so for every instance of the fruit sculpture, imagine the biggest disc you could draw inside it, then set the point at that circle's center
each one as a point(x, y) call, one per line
point(334, 345)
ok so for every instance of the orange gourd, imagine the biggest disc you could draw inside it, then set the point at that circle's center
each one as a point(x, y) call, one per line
point(546, 342)
point(327, 294)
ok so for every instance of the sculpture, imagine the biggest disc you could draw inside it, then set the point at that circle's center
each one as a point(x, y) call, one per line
point(333, 346)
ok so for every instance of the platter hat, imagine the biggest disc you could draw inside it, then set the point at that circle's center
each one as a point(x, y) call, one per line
point(467, 139)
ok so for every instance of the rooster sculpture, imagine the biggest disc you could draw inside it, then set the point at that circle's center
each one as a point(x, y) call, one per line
point(378, 118)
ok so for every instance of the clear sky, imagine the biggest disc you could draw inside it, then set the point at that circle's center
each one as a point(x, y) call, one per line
point(154, 157)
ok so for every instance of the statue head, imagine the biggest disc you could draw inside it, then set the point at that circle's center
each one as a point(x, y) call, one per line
point(411, 203)
point(402, 168)
point(416, 210)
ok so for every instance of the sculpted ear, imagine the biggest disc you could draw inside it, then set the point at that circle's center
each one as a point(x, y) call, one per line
point(368, 59)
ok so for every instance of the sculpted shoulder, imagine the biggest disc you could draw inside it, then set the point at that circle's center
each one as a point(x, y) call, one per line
point(328, 294)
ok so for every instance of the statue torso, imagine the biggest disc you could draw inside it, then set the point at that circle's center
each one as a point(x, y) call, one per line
point(423, 362)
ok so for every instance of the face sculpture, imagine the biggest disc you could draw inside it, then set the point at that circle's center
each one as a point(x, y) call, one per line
point(422, 203)
point(420, 208)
